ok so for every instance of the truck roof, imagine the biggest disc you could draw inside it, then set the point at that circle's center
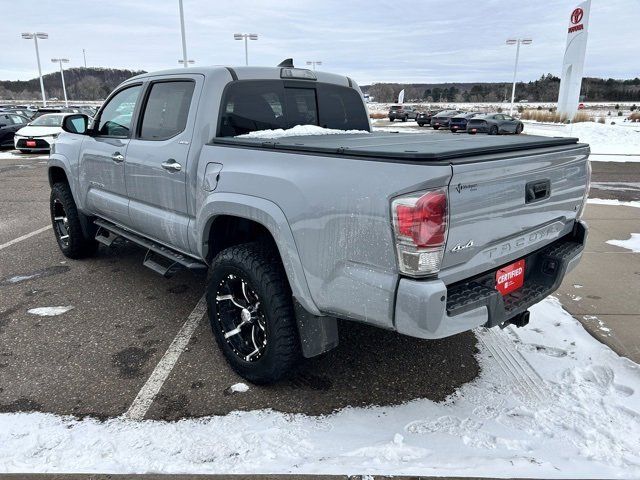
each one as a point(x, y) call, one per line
point(243, 73)
point(411, 147)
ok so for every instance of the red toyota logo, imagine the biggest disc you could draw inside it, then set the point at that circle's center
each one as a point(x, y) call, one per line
point(577, 15)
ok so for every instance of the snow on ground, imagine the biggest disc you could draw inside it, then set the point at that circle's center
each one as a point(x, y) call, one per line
point(632, 243)
point(619, 203)
point(618, 143)
point(50, 311)
point(551, 401)
point(14, 154)
point(239, 388)
point(297, 131)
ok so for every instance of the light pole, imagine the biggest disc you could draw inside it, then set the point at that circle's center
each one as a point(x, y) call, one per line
point(517, 42)
point(314, 63)
point(185, 60)
point(84, 55)
point(245, 37)
point(190, 62)
point(35, 36)
point(60, 61)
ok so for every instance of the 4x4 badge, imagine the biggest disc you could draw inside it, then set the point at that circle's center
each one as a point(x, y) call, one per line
point(459, 246)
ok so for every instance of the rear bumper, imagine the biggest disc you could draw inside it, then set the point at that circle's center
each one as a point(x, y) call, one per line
point(430, 309)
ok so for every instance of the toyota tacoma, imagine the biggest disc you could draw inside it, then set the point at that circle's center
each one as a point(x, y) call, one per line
point(425, 236)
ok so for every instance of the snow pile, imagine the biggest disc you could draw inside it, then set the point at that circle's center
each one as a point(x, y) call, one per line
point(49, 311)
point(616, 203)
point(297, 131)
point(607, 142)
point(239, 388)
point(551, 401)
point(632, 243)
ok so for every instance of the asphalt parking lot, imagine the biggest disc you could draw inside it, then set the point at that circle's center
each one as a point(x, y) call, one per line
point(95, 359)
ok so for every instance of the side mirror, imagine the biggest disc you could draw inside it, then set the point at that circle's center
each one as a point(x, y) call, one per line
point(3, 125)
point(77, 123)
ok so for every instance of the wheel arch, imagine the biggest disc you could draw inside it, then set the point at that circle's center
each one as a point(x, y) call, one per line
point(229, 218)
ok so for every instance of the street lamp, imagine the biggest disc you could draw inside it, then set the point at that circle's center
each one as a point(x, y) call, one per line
point(245, 37)
point(35, 36)
point(185, 61)
point(60, 61)
point(517, 42)
point(314, 63)
point(190, 62)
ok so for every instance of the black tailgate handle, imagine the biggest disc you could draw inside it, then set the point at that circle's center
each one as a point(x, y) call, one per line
point(538, 190)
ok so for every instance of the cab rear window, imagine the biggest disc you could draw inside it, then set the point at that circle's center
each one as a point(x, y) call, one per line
point(253, 105)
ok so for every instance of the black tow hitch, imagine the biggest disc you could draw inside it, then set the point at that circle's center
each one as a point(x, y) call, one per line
point(520, 320)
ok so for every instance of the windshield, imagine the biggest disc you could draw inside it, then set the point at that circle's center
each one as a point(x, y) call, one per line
point(253, 105)
point(48, 121)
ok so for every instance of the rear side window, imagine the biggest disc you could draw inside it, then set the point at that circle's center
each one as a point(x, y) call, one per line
point(250, 106)
point(167, 109)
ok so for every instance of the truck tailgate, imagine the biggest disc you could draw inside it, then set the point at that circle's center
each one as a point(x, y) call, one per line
point(503, 209)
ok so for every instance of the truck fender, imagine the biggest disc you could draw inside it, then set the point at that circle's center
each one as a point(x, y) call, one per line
point(269, 215)
point(60, 161)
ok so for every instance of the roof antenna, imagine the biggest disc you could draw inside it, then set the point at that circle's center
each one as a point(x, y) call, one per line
point(287, 63)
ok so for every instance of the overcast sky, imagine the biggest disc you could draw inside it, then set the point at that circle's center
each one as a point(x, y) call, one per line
point(370, 40)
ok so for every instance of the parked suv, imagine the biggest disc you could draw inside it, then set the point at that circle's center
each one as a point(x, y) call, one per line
point(443, 118)
point(424, 118)
point(426, 238)
point(402, 112)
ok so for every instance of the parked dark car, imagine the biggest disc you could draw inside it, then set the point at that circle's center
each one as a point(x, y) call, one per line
point(402, 112)
point(458, 123)
point(10, 123)
point(443, 118)
point(424, 118)
point(494, 124)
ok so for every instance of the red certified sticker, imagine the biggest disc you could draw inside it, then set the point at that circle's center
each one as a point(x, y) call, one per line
point(510, 278)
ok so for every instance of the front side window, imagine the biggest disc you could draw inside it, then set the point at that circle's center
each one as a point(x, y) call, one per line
point(166, 111)
point(115, 118)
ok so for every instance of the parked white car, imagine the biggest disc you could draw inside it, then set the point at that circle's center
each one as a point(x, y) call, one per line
point(39, 134)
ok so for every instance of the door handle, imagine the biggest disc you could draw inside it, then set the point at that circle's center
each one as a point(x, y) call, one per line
point(171, 165)
point(117, 157)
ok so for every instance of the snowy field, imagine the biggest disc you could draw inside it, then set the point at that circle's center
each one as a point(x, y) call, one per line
point(551, 401)
point(612, 143)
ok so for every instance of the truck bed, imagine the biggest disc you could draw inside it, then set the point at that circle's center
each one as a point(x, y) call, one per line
point(401, 146)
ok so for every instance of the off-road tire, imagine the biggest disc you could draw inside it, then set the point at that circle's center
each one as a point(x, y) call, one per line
point(261, 268)
point(493, 130)
point(77, 245)
point(391, 119)
point(421, 124)
point(404, 119)
point(519, 129)
point(436, 127)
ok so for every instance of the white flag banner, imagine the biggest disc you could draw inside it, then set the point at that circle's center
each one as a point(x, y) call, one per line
point(401, 96)
point(573, 63)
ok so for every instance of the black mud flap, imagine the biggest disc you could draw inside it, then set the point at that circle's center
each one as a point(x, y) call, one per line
point(317, 334)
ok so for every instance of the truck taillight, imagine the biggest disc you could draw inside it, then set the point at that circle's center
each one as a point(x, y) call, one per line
point(420, 227)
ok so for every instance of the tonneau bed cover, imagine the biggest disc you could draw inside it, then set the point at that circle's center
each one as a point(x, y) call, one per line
point(400, 146)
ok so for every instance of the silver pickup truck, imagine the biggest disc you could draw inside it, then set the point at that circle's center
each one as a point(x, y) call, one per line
point(427, 235)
